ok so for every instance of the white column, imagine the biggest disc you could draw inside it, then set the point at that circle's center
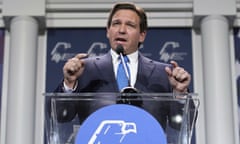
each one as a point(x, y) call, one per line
point(22, 80)
point(218, 95)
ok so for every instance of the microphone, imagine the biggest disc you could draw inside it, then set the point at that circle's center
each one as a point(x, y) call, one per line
point(124, 98)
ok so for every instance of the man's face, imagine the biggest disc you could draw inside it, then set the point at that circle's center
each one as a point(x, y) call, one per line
point(125, 30)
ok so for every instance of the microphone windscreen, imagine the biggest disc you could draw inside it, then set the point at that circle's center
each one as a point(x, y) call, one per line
point(119, 49)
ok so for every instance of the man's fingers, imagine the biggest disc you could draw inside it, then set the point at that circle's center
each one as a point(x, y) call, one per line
point(182, 78)
point(168, 70)
point(174, 63)
point(81, 56)
point(75, 64)
point(178, 77)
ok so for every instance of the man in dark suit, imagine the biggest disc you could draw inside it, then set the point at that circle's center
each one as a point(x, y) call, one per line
point(127, 27)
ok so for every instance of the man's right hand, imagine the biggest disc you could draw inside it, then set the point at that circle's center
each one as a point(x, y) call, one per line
point(73, 68)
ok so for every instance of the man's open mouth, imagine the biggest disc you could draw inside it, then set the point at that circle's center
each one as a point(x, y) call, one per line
point(120, 39)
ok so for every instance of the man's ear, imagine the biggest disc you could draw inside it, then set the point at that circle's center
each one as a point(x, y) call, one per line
point(142, 36)
point(107, 32)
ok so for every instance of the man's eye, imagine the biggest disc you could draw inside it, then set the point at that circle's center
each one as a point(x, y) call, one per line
point(131, 25)
point(115, 23)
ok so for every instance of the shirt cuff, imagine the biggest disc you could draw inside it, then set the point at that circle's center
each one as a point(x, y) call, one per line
point(68, 89)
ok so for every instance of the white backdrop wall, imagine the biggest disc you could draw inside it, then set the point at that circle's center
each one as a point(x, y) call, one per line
point(94, 13)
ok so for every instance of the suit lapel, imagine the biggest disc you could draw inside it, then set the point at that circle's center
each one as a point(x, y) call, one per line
point(145, 69)
point(105, 66)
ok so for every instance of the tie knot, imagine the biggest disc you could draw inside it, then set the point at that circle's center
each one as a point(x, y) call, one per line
point(126, 59)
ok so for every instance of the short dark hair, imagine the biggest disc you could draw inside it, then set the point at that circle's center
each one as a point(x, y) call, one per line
point(129, 6)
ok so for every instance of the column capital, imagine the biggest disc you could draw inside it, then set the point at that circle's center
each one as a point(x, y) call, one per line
point(35, 9)
point(205, 8)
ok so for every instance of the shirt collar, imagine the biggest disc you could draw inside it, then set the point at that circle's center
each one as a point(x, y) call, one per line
point(133, 57)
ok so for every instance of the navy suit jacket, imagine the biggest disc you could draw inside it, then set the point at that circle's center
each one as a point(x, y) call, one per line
point(98, 76)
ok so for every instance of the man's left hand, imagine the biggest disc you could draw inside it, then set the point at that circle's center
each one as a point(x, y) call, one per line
point(178, 77)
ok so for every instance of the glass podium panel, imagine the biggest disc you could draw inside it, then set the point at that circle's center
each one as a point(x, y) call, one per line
point(120, 118)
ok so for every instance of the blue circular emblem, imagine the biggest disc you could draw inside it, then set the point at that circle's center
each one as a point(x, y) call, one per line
point(120, 124)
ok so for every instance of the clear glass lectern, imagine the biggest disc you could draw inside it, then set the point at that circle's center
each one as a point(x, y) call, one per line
point(66, 114)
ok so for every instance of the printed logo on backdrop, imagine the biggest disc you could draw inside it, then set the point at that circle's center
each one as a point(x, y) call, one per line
point(121, 124)
point(169, 52)
point(60, 51)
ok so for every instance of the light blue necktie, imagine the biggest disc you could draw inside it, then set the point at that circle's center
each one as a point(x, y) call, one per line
point(122, 78)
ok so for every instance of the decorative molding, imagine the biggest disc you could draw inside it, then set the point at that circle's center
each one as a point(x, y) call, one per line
point(82, 14)
point(105, 6)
